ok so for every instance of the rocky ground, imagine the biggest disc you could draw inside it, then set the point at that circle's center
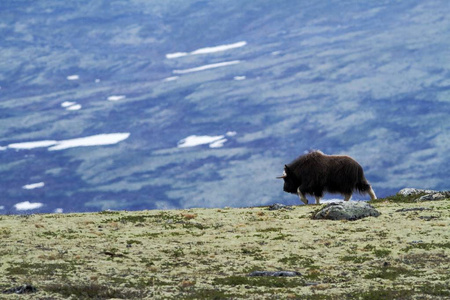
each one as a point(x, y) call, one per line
point(403, 253)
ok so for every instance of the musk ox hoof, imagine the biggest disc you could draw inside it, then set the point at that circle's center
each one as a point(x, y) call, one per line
point(352, 210)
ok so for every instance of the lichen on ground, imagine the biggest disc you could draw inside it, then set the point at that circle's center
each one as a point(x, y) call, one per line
point(208, 253)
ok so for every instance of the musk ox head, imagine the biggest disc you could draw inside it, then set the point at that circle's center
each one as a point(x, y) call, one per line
point(291, 182)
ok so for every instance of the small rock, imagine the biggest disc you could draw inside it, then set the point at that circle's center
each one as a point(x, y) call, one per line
point(428, 218)
point(351, 210)
point(278, 206)
point(275, 273)
point(412, 209)
point(23, 289)
point(415, 242)
point(433, 196)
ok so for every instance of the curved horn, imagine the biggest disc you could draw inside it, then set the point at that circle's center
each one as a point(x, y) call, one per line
point(282, 176)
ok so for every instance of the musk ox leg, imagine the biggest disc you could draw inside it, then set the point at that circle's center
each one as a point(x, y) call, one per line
point(347, 197)
point(302, 196)
point(317, 199)
point(372, 194)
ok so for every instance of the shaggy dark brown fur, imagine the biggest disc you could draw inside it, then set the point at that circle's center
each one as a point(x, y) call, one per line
point(315, 173)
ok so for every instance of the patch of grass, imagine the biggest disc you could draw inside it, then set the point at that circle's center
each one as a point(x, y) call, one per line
point(383, 294)
point(175, 253)
point(399, 198)
point(251, 251)
point(189, 225)
point(108, 212)
point(369, 247)
point(131, 242)
point(130, 219)
point(149, 234)
point(5, 232)
point(92, 291)
point(390, 273)
point(270, 229)
point(298, 261)
point(425, 259)
point(279, 282)
point(48, 234)
point(44, 269)
point(147, 262)
point(355, 258)
point(206, 294)
point(381, 252)
point(439, 289)
point(281, 236)
point(254, 252)
point(426, 246)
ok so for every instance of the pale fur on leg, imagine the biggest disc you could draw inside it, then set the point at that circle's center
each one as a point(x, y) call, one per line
point(317, 200)
point(372, 194)
point(347, 197)
point(302, 196)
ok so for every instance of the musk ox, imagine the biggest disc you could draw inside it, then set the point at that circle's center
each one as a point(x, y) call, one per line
point(315, 173)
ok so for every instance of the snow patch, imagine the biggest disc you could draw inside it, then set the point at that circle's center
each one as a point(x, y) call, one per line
point(220, 48)
point(116, 97)
point(207, 67)
point(94, 140)
point(171, 78)
point(218, 144)
point(27, 205)
point(73, 77)
point(74, 107)
point(32, 145)
point(67, 104)
point(207, 50)
point(214, 141)
point(176, 55)
point(195, 140)
point(33, 186)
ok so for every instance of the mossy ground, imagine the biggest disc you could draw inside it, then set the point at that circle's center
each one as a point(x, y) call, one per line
point(207, 254)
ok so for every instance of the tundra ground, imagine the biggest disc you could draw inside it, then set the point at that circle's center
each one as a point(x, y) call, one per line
point(208, 253)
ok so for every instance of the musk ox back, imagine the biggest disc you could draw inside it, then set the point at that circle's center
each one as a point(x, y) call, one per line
point(315, 173)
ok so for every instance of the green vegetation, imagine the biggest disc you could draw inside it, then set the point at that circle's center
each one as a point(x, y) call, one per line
point(397, 198)
point(209, 254)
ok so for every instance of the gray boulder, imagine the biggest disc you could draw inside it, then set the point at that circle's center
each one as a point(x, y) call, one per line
point(351, 210)
point(278, 206)
point(413, 191)
point(435, 196)
point(430, 195)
